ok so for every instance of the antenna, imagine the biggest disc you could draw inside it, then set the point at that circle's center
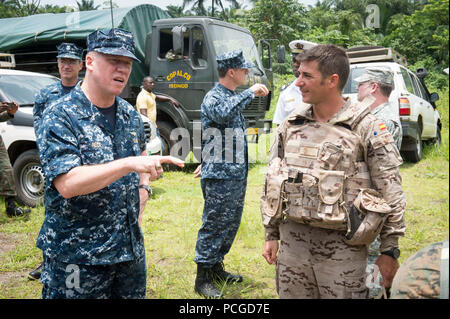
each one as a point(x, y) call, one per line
point(111, 8)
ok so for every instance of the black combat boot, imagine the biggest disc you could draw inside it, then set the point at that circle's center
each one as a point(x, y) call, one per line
point(36, 274)
point(12, 209)
point(220, 274)
point(204, 285)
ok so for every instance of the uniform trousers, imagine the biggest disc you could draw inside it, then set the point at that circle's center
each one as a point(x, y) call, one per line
point(7, 186)
point(316, 263)
point(222, 212)
point(125, 280)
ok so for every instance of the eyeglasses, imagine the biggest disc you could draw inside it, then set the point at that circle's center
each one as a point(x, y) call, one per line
point(362, 83)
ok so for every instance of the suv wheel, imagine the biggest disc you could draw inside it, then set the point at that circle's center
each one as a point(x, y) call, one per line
point(29, 178)
point(438, 139)
point(415, 155)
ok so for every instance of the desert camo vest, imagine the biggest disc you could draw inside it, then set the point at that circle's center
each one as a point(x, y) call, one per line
point(322, 173)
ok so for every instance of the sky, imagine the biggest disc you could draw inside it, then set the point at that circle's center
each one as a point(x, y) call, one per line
point(131, 3)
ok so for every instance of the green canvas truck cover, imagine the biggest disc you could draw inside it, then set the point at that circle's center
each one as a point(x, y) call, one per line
point(30, 31)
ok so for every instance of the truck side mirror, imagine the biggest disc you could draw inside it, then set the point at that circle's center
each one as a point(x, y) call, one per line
point(421, 73)
point(148, 46)
point(281, 54)
point(177, 39)
point(434, 97)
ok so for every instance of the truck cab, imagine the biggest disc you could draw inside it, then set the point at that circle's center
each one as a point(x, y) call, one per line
point(181, 58)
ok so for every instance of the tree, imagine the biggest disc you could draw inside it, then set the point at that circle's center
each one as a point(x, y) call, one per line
point(48, 8)
point(423, 34)
point(197, 6)
point(284, 20)
point(175, 11)
point(107, 5)
point(20, 8)
point(87, 5)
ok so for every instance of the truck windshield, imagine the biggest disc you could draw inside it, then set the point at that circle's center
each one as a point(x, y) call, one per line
point(227, 39)
point(23, 88)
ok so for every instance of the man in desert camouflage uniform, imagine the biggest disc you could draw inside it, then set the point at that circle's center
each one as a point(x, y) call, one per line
point(70, 63)
point(379, 83)
point(224, 169)
point(92, 148)
point(424, 275)
point(333, 177)
point(7, 185)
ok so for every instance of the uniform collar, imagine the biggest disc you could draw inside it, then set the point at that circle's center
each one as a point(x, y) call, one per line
point(86, 109)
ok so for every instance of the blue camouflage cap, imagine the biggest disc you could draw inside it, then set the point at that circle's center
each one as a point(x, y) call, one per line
point(70, 51)
point(113, 41)
point(233, 60)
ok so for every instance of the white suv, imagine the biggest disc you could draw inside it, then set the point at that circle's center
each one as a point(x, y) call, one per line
point(20, 140)
point(420, 119)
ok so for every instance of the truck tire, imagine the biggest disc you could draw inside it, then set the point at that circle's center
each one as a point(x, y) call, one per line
point(438, 139)
point(165, 128)
point(415, 155)
point(29, 178)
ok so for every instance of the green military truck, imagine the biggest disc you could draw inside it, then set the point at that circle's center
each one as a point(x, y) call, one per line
point(179, 53)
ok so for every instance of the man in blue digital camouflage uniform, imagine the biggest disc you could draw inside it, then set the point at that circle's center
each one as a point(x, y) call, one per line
point(92, 149)
point(70, 63)
point(224, 169)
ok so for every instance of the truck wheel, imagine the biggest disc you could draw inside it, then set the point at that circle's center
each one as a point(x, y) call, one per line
point(165, 128)
point(415, 155)
point(29, 178)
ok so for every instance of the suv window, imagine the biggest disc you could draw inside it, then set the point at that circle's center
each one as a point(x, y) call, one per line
point(23, 88)
point(351, 85)
point(421, 89)
point(408, 82)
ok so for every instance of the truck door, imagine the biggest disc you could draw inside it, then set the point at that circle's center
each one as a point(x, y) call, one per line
point(186, 76)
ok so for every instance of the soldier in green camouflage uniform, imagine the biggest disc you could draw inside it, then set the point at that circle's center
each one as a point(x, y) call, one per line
point(7, 185)
point(379, 82)
point(424, 275)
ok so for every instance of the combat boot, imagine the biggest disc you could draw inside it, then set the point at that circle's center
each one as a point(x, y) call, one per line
point(219, 273)
point(12, 209)
point(36, 274)
point(204, 285)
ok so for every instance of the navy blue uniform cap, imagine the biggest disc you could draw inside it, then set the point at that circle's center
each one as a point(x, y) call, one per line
point(113, 42)
point(69, 51)
point(233, 60)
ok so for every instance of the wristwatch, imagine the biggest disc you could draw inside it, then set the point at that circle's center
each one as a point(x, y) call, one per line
point(393, 252)
point(147, 188)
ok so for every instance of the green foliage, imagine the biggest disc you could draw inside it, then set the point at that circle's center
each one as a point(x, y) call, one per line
point(423, 34)
point(283, 20)
point(87, 5)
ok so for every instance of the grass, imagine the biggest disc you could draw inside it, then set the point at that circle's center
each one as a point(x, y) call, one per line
point(173, 217)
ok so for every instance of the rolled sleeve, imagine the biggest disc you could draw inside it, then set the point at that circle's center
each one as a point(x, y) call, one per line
point(57, 145)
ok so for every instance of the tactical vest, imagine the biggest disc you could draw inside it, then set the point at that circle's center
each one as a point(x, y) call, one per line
point(322, 179)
